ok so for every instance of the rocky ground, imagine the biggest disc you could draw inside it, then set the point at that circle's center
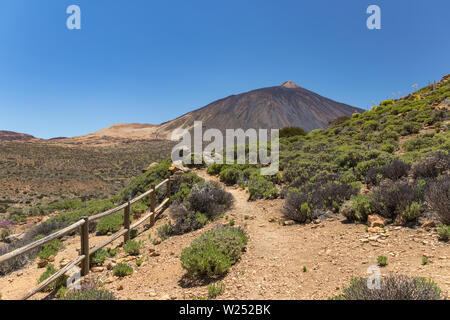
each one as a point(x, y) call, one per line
point(332, 252)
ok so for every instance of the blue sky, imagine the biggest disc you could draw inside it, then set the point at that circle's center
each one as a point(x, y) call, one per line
point(151, 61)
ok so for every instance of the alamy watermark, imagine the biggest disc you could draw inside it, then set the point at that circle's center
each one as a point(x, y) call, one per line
point(190, 149)
point(74, 20)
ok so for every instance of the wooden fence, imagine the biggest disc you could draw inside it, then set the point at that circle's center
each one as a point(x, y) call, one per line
point(83, 224)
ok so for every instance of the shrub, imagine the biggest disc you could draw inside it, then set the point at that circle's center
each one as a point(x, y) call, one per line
point(438, 198)
point(424, 261)
point(291, 132)
point(330, 195)
point(122, 270)
point(444, 232)
point(165, 231)
point(382, 261)
point(393, 171)
point(216, 289)
point(393, 287)
point(392, 198)
point(357, 209)
point(50, 270)
point(229, 175)
point(92, 294)
point(50, 249)
point(111, 223)
point(214, 252)
point(182, 185)
point(432, 166)
point(293, 206)
point(133, 248)
point(185, 220)
point(259, 187)
point(386, 102)
point(412, 211)
point(214, 168)
point(98, 258)
point(210, 199)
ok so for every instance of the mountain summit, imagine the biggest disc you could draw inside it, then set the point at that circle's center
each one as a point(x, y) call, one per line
point(290, 85)
point(288, 105)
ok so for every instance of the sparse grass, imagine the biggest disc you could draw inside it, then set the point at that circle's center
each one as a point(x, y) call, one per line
point(122, 270)
point(133, 248)
point(216, 289)
point(382, 261)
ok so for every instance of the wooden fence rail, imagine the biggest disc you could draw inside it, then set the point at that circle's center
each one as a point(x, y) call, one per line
point(83, 224)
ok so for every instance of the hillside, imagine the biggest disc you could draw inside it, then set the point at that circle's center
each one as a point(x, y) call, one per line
point(15, 136)
point(373, 189)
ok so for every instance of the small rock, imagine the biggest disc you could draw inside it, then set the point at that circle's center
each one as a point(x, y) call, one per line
point(120, 287)
point(110, 265)
point(165, 297)
point(289, 222)
point(428, 224)
point(42, 263)
point(375, 230)
point(316, 221)
point(375, 220)
point(97, 269)
point(154, 254)
point(64, 262)
point(51, 259)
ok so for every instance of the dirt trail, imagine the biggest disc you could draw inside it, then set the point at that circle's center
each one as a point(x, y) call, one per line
point(272, 267)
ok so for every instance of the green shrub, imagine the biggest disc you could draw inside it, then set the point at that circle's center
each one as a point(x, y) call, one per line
point(215, 289)
point(92, 294)
point(292, 132)
point(412, 212)
point(111, 223)
point(386, 102)
point(133, 248)
point(444, 232)
point(50, 270)
point(214, 169)
point(229, 175)
point(358, 208)
point(259, 187)
point(424, 260)
point(382, 261)
point(122, 270)
point(165, 231)
point(392, 287)
point(50, 249)
point(182, 185)
point(214, 252)
point(98, 258)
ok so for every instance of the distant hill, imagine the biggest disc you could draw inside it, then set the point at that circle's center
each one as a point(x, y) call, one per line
point(15, 136)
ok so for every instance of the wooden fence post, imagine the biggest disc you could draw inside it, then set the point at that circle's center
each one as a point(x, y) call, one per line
point(152, 205)
point(168, 190)
point(126, 223)
point(85, 247)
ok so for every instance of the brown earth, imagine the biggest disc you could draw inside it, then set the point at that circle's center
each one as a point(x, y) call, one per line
point(272, 267)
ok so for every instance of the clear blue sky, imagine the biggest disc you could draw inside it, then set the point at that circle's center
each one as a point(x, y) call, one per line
point(150, 61)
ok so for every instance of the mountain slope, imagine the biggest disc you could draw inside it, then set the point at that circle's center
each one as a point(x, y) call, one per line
point(274, 107)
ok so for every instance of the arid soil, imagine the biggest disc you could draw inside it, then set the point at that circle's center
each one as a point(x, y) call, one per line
point(273, 265)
